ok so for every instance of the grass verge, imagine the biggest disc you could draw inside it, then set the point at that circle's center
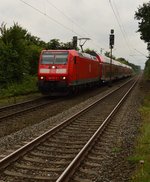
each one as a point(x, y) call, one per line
point(19, 91)
point(142, 153)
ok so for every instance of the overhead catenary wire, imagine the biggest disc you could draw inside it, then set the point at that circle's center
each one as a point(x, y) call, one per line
point(140, 52)
point(123, 29)
point(66, 16)
point(120, 26)
point(59, 23)
point(74, 22)
point(118, 18)
point(49, 17)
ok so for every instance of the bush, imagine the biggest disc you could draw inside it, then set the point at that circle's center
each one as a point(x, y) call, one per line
point(28, 85)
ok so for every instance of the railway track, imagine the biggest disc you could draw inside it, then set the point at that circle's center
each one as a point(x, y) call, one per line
point(38, 115)
point(57, 153)
point(20, 108)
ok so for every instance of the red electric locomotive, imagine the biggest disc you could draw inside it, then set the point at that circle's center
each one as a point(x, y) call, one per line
point(61, 71)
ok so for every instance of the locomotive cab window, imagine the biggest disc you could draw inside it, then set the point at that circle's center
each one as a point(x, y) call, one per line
point(54, 58)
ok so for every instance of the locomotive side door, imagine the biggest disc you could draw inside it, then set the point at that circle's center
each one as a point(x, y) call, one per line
point(76, 70)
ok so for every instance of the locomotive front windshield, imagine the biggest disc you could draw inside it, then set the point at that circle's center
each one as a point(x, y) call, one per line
point(54, 58)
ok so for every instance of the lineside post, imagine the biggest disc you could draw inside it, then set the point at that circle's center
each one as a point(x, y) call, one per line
point(75, 42)
point(111, 45)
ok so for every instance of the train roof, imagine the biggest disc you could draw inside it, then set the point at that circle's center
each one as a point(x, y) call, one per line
point(89, 56)
point(102, 58)
point(105, 59)
point(74, 52)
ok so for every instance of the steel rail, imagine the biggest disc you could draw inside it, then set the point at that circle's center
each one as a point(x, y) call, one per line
point(21, 151)
point(24, 110)
point(20, 103)
point(65, 176)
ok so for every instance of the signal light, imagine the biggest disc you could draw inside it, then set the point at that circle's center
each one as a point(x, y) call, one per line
point(111, 39)
point(75, 42)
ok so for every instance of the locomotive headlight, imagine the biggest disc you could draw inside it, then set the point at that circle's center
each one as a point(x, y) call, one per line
point(64, 78)
point(53, 67)
point(42, 77)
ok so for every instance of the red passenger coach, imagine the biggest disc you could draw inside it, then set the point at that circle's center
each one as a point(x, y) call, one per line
point(111, 69)
point(66, 70)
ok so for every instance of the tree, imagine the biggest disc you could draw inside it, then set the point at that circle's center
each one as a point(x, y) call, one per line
point(147, 69)
point(33, 57)
point(13, 53)
point(90, 51)
point(19, 53)
point(53, 44)
point(143, 15)
point(35, 40)
point(66, 46)
point(136, 68)
point(108, 55)
point(123, 60)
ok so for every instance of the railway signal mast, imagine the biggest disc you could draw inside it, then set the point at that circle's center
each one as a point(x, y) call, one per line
point(111, 46)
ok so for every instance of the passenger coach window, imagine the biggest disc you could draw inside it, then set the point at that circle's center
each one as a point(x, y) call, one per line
point(54, 58)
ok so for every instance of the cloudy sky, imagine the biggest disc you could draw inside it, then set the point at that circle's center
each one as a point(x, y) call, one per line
point(63, 19)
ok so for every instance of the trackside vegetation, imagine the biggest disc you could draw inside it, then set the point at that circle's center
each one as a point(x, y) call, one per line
point(143, 16)
point(28, 85)
point(147, 70)
point(142, 152)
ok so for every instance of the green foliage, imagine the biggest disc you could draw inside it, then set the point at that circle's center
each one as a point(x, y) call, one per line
point(90, 51)
point(147, 70)
point(13, 53)
point(66, 46)
point(107, 54)
point(55, 44)
point(142, 173)
point(143, 14)
point(135, 68)
point(19, 54)
point(33, 57)
point(27, 86)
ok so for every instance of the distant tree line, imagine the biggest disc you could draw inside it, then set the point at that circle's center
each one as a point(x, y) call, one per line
point(135, 68)
point(143, 15)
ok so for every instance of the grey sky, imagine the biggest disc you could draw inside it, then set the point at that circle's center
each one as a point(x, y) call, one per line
point(63, 19)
